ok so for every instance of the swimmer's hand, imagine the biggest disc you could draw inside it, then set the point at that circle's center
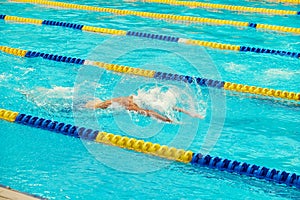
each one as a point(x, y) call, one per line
point(188, 113)
point(195, 115)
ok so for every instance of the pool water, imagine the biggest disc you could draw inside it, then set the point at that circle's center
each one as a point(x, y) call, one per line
point(238, 127)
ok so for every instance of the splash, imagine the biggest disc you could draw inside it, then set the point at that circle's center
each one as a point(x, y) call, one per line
point(164, 99)
point(48, 96)
point(59, 101)
point(55, 101)
point(157, 98)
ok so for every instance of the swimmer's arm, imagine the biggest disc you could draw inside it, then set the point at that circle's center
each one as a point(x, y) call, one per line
point(188, 113)
point(98, 104)
point(104, 105)
point(158, 116)
point(150, 113)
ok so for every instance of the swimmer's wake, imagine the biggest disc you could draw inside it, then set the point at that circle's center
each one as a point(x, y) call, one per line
point(154, 102)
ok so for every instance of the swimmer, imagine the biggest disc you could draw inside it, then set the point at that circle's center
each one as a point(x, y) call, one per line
point(128, 104)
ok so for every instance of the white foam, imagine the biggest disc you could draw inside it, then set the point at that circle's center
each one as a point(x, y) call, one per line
point(156, 99)
point(26, 70)
point(56, 92)
point(4, 76)
point(164, 100)
point(236, 68)
point(280, 73)
point(56, 100)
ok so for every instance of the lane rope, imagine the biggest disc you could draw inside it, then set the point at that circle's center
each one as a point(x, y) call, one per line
point(187, 41)
point(225, 7)
point(165, 16)
point(240, 88)
point(286, 1)
point(162, 151)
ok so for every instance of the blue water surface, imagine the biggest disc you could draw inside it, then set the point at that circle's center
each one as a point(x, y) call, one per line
point(251, 129)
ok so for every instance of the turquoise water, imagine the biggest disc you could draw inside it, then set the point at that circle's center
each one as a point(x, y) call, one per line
point(254, 130)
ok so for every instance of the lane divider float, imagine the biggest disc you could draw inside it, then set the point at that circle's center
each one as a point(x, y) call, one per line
point(241, 88)
point(165, 16)
point(162, 151)
point(214, 45)
point(225, 7)
point(286, 1)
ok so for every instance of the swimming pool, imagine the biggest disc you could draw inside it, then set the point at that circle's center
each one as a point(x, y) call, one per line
point(255, 130)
